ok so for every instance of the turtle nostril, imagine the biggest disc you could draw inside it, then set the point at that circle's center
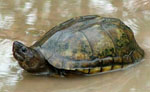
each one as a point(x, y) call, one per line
point(24, 49)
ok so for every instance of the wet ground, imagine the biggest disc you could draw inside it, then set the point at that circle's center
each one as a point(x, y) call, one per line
point(28, 20)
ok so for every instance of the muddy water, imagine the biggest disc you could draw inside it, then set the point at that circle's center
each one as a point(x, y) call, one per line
point(28, 20)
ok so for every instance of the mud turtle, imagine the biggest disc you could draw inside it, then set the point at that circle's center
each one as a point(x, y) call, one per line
point(85, 44)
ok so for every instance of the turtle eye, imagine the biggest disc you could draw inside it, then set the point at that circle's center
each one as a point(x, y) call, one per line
point(24, 49)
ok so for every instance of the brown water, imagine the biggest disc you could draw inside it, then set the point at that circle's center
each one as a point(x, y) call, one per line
point(27, 20)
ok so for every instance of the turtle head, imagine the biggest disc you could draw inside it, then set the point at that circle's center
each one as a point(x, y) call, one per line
point(28, 58)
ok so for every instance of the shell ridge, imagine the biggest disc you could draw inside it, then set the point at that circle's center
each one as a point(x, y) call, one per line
point(109, 34)
point(63, 26)
point(88, 42)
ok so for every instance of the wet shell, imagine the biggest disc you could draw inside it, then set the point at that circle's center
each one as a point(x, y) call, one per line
point(90, 44)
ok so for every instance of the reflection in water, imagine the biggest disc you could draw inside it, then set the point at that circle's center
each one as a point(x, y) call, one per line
point(32, 17)
point(9, 71)
point(6, 21)
point(103, 6)
point(146, 14)
point(27, 6)
point(28, 20)
point(46, 9)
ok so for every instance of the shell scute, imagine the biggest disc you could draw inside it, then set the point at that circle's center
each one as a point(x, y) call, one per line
point(87, 42)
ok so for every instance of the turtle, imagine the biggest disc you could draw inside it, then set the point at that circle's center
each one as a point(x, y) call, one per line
point(88, 44)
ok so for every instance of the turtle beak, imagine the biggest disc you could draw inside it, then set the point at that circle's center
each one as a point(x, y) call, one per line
point(17, 45)
point(16, 50)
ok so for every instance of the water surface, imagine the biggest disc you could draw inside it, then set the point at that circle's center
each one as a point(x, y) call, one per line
point(28, 20)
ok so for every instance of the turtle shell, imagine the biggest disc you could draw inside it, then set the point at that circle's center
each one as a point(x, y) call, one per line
point(90, 42)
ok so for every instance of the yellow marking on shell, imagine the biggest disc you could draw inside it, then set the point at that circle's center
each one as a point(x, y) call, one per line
point(83, 70)
point(136, 55)
point(116, 67)
point(96, 25)
point(118, 59)
point(127, 59)
point(95, 70)
point(102, 45)
point(107, 68)
point(67, 53)
point(107, 60)
point(79, 56)
point(119, 33)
